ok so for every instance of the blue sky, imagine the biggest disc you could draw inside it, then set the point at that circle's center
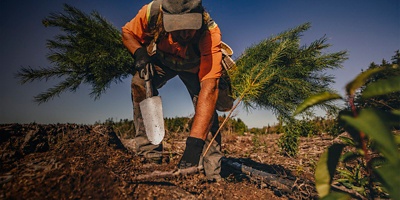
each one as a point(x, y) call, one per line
point(368, 29)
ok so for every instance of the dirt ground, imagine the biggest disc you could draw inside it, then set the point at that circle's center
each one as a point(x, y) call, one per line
point(70, 161)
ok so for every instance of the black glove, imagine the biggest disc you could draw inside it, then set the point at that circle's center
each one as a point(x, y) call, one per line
point(142, 58)
point(192, 153)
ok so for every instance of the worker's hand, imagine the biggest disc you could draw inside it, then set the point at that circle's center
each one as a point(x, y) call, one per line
point(192, 153)
point(142, 59)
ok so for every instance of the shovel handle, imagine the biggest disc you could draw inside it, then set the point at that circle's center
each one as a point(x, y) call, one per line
point(149, 89)
point(148, 73)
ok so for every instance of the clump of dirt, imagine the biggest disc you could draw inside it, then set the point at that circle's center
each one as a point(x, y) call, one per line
point(70, 161)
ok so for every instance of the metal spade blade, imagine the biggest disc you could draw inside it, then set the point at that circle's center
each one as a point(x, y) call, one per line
point(151, 109)
point(153, 120)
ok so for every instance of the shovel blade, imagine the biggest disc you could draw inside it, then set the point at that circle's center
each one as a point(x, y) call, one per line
point(151, 109)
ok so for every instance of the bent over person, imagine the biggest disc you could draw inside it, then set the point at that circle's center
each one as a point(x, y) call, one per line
point(178, 38)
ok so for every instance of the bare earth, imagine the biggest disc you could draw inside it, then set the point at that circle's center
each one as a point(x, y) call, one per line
point(69, 161)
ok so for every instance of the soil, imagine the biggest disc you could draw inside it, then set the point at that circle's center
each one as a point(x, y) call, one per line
point(70, 161)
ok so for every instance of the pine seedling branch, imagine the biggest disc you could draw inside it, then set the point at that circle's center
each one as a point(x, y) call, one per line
point(277, 74)
point(88, 51)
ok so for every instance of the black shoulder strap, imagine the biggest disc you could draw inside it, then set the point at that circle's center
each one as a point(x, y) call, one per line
point(154, 11)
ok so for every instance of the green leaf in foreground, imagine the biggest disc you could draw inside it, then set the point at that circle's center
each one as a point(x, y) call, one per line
point(397, 139)
point(382, 87)
point(390, 180)
point(316, 99)
point(360, 80)
point(374, 124)
point(326, 168)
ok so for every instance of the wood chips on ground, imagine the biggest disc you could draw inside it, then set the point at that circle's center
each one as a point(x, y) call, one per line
point(70, 161)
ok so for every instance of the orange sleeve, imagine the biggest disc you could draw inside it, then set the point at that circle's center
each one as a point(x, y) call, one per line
point(211, 56)
point(138, 26)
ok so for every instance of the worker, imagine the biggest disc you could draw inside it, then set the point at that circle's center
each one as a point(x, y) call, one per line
point(179, 38)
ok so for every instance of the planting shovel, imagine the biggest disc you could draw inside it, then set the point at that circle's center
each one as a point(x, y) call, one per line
point(151, 109)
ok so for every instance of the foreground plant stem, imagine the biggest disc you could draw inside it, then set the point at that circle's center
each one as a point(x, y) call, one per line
point(362, 134)
point(364, 147)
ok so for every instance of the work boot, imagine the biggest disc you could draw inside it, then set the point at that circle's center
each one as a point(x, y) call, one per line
point(151, 153)
point(148, 152)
